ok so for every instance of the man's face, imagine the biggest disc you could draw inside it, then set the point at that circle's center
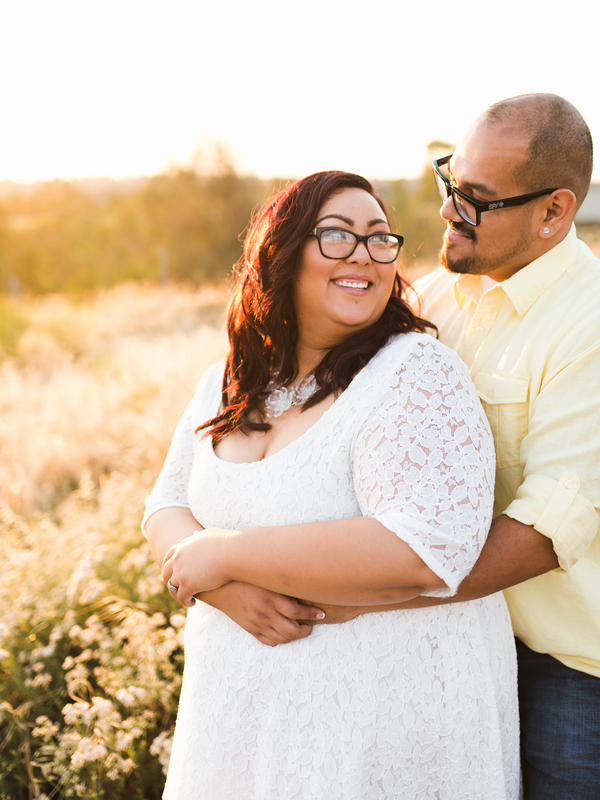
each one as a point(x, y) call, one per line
point(484, 167)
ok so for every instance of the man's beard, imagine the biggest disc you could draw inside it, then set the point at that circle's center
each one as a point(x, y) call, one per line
point(466, 265)
point(482, 263)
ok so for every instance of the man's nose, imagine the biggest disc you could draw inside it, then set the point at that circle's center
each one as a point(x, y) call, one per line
point(448, 211)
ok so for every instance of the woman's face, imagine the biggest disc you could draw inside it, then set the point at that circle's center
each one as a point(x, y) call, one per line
point(337, 297)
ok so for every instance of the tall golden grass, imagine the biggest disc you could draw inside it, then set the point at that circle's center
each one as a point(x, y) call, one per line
point(90, 641)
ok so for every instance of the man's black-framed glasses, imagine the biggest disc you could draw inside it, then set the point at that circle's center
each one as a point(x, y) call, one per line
point(340, 243)
point(468, 209)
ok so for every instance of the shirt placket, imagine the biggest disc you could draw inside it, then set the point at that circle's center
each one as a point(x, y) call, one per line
point(483, 319)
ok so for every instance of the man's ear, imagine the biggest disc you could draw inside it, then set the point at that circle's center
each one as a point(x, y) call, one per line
point(559, 211)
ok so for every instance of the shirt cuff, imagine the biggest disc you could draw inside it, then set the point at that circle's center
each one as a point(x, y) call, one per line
point(557, 510)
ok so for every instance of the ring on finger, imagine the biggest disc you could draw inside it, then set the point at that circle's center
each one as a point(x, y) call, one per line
point(172, 587)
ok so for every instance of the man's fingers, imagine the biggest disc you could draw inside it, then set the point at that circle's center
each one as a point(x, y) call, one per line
point(265, 640)
point(304, 630)
point(287, 631)
point(274, 636)
point(294, 609)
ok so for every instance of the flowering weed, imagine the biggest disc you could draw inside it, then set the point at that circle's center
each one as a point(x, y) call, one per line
point(90, 641)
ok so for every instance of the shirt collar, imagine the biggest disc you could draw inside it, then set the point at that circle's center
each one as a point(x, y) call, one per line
point(528, 284)
point(472, 286)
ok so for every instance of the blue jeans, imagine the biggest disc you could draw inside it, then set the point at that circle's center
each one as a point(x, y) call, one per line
point(560, 729)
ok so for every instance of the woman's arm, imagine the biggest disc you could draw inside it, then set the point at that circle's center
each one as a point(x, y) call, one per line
point(423, 468)
point(271, 617)
point(168, 527)
point(348, 561)
point(513, 553)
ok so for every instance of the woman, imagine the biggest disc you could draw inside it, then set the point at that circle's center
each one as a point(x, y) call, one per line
point(340, 456)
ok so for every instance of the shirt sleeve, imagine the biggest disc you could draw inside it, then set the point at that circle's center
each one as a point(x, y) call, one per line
point(171, 487)
point(560, 453)
point(424, 463)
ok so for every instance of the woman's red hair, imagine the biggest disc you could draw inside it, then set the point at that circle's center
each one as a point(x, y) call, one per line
point(261, 320)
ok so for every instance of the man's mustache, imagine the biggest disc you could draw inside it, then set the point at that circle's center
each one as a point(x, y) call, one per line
point(463, 229)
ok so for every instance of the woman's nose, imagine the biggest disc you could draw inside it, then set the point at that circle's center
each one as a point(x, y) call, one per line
point(360, 254)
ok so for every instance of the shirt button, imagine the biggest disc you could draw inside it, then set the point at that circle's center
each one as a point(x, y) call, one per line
point(492, 392)
point(569, 484)
point(479, 330)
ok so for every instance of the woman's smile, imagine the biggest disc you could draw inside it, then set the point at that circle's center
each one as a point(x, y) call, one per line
point(336, 297)
point(354, 283)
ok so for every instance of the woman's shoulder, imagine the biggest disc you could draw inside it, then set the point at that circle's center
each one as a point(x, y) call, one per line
point(207, 397)
point(409, 361)
point(213, 375)
point(415, 347)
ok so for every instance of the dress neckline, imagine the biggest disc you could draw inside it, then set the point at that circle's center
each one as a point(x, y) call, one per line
point(289, 445)
point(316, 425)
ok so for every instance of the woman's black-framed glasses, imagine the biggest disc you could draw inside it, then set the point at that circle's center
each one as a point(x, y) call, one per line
point(340, 243)
point(471, 210)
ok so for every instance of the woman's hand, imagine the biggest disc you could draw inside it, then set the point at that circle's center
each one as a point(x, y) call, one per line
point(270, 617)
point(196, 564)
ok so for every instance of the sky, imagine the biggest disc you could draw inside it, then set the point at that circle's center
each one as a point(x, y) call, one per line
point(124, 88)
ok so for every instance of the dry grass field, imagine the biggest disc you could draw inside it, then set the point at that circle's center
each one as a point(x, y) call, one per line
point(90, 641)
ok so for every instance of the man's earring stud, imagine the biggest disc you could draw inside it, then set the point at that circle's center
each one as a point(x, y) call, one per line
point(546, 230)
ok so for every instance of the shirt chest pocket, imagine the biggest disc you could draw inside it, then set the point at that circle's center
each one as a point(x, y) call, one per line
point(504, 399)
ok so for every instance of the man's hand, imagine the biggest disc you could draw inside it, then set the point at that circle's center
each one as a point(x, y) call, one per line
point(270, 617)
point(337, 614)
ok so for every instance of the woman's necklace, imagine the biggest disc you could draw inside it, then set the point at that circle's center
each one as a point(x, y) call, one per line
point(281, 398)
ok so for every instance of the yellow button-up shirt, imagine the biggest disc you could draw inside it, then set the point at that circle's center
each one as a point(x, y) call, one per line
point(532, 345)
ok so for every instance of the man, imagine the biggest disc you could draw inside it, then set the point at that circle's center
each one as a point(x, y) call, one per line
point(521, 306)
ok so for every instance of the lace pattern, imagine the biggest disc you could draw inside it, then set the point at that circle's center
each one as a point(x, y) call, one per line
point(402, 704)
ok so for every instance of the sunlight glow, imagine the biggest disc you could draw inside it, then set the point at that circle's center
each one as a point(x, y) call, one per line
point(131, 87)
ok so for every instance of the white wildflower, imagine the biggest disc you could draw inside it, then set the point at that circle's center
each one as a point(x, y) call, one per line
point(77, 712)
point(81, 755)
point(161, 747)
point(75, 631)
point(44, 728)
point(97, 751)
point(126, 697)
point(138, 692)
point(92, 590)
point(41, 680)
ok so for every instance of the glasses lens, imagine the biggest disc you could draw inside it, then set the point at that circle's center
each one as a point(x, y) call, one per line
point(383, 247)
point(337, 243)
point(443, 187)
point(466, 210)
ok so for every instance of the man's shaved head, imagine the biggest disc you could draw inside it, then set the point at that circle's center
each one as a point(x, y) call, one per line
point(560, 151)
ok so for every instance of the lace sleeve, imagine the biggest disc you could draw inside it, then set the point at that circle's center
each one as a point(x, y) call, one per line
point(424, 463)
point(171, 487)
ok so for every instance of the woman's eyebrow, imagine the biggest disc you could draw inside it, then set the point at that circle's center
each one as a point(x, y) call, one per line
point(349, 221)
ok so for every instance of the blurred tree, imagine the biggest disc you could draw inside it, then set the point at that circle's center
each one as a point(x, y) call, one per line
point(417, 210)
point(62, 238)
point(59, 238)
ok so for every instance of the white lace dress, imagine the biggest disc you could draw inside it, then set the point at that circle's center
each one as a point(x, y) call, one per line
point(401, 704)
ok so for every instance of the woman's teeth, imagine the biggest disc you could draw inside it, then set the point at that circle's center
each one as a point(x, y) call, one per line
point(353, 284)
